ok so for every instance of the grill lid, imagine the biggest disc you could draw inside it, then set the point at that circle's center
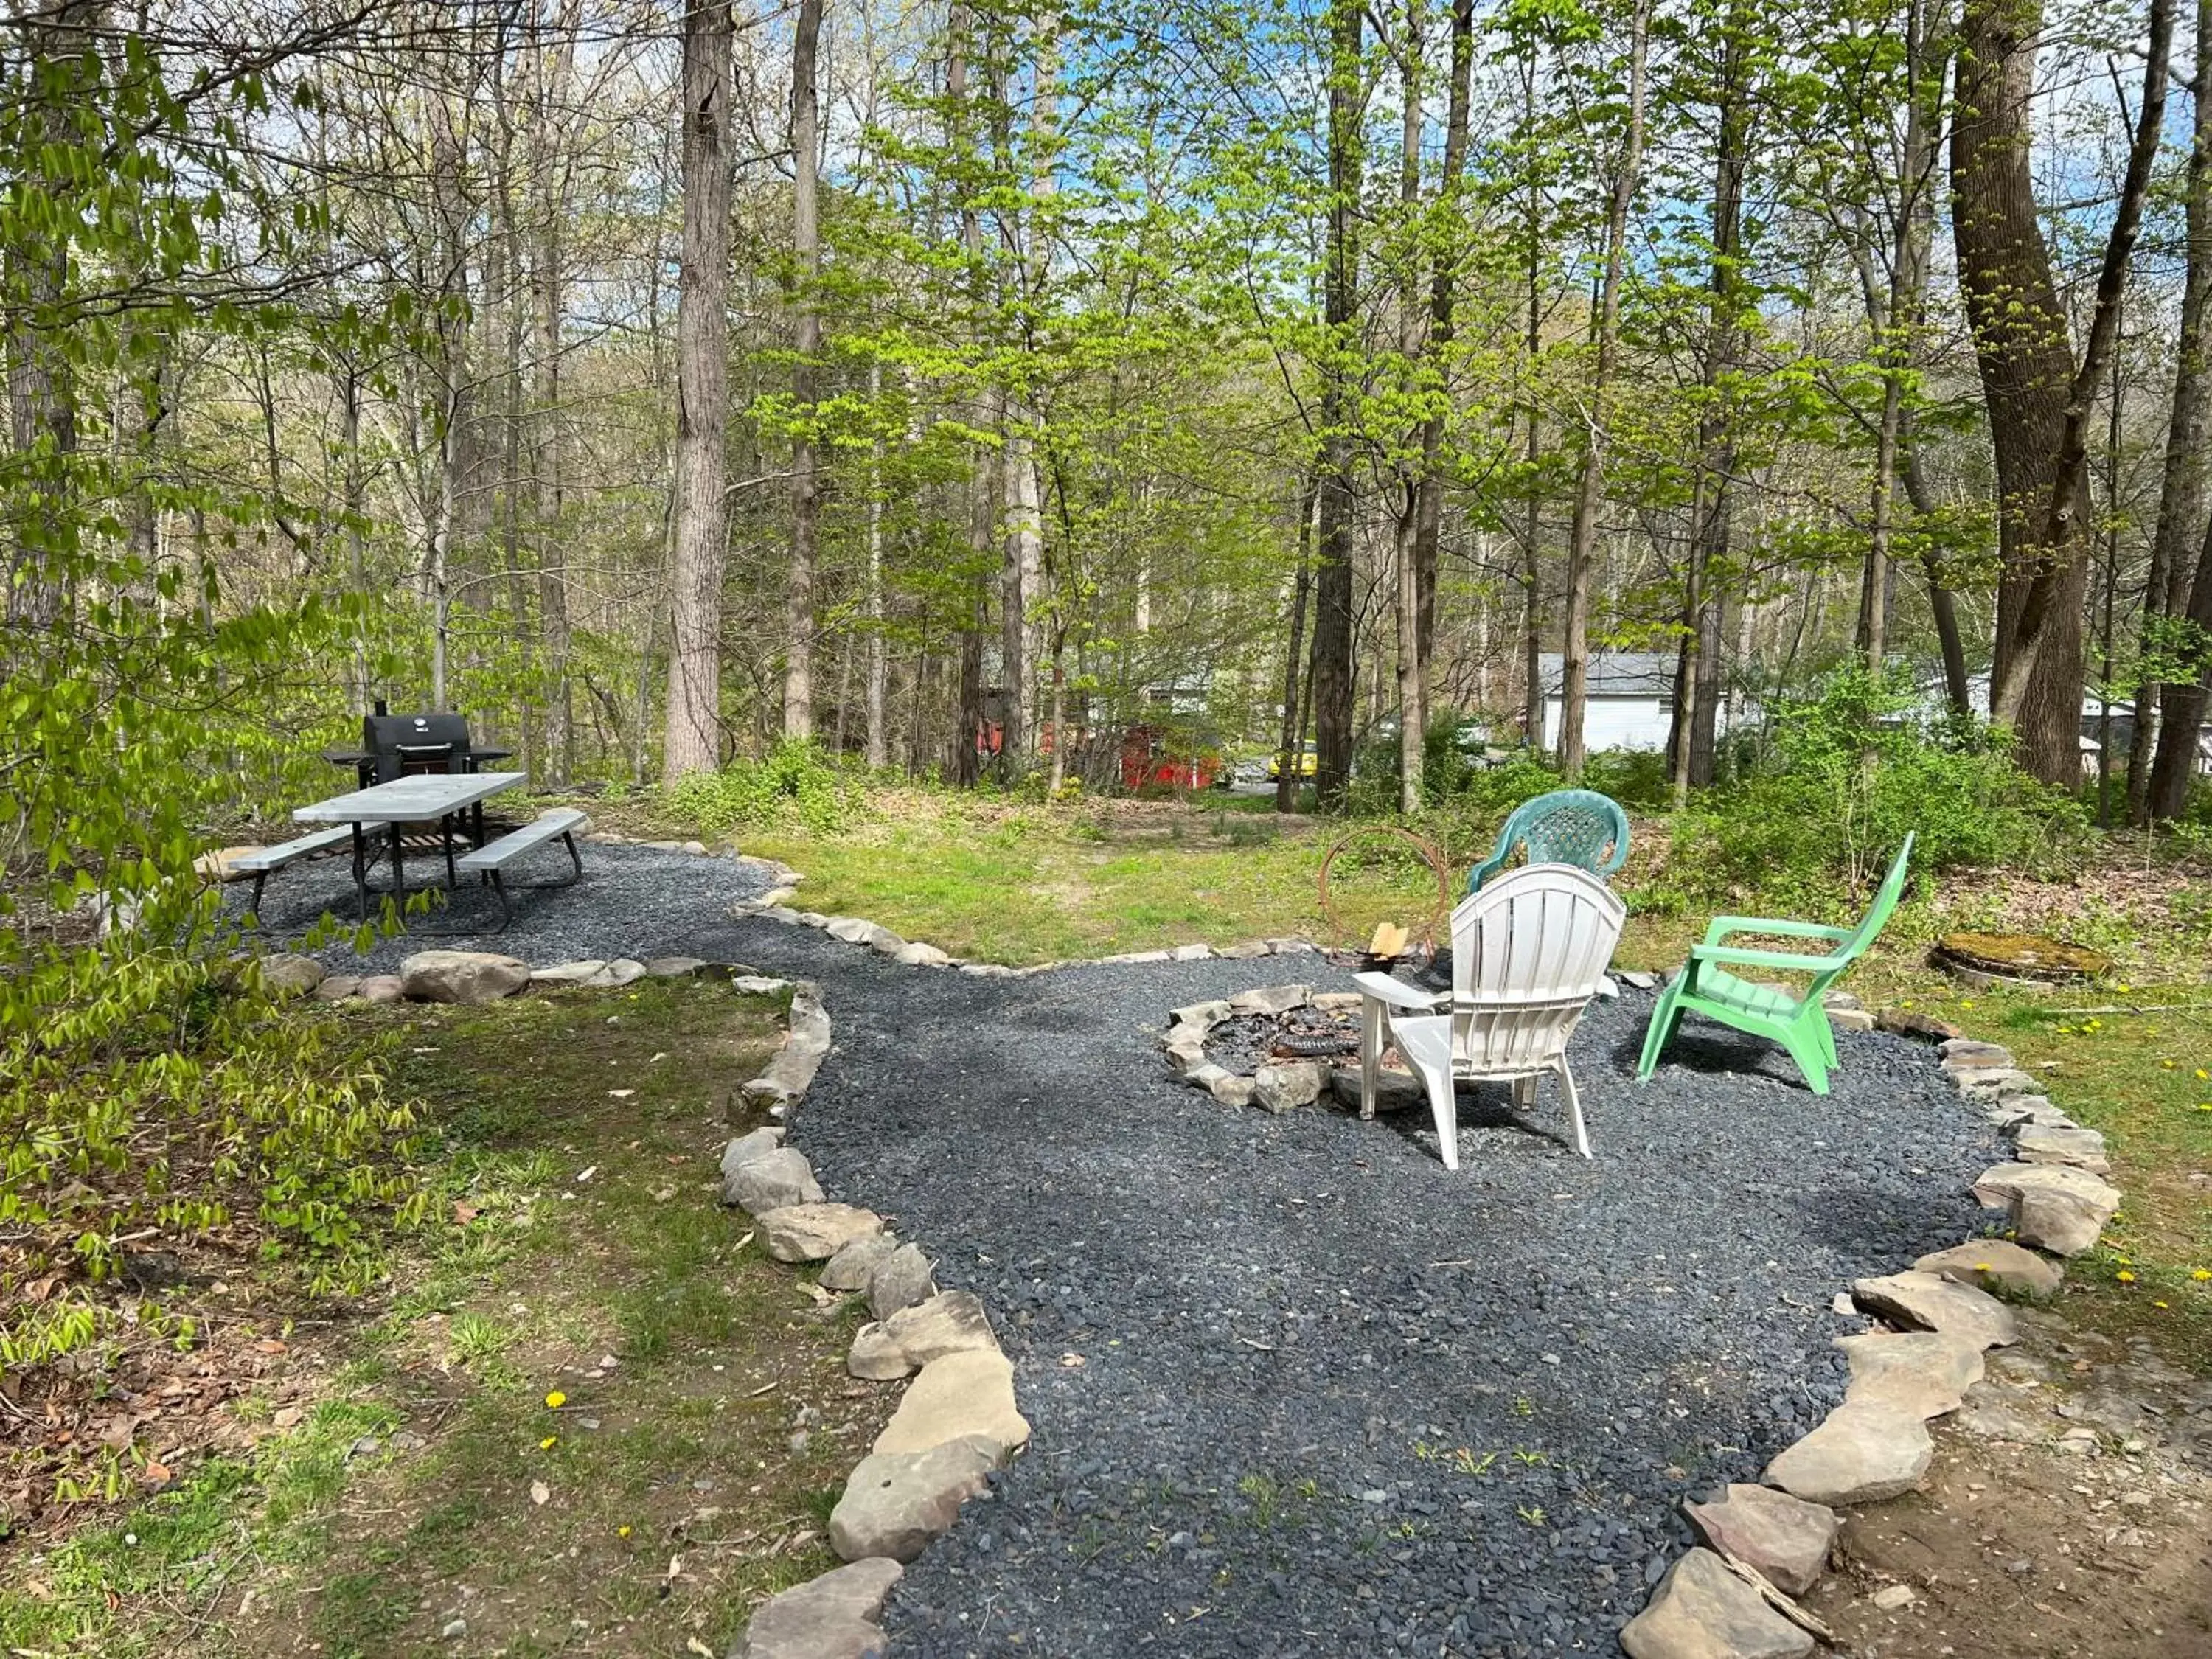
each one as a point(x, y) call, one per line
point(389, 734)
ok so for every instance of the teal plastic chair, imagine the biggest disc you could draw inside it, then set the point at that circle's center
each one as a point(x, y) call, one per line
point(1568, 826)
point(1799, 1024)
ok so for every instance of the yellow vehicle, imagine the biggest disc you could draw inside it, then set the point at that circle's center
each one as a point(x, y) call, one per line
point(1306, 764)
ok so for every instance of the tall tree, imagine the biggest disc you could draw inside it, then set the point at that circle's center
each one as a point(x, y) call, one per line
point(1574, 689)
point(805, 469)
point(700, 541)
point(1332, 668)
point(2038, 397)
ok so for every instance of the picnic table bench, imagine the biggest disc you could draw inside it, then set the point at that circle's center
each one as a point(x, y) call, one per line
point(263, 861)
point(492, 861)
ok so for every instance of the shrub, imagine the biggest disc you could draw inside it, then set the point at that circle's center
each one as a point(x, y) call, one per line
point(795, 784)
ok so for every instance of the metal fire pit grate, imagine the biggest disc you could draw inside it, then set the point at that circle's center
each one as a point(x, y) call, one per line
point(1246, 1042)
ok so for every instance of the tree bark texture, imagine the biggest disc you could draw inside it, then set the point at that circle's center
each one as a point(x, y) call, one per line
point(693, 743)
point(806, 342)
point(1333, 667)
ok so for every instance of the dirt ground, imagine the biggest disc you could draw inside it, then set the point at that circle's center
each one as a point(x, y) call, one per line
point(2068, 1516)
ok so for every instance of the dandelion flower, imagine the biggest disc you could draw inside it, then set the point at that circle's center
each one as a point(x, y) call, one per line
point(547, 1444)
point(2202, 1075)
point(2167, 1064)
point(2124, 1277)
point(556, 1399)
point(2202, 1275)
point(621, 1532)
point(2158, 1305)
point(1984, 1267)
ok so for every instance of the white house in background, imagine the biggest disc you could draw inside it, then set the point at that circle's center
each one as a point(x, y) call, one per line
point(1630, 701)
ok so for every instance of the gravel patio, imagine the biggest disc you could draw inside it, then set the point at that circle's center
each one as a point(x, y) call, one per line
point(1297, 1388)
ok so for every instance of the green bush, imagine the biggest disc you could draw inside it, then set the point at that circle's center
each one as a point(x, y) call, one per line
point(795, 784)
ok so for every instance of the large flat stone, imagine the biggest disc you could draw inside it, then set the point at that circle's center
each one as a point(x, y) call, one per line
point(1993, 1083)
point(2054, 1206)
point(896, 1504)
point(962, 1394)
point(465, 976)
point(1271, 999)
point(1702, 1611)
point(1995, 1264)
point(953, 1321)
point(289, 975)
point(1293, 1084)
point(832, 1617)
point(1928, 1301)
point(565, 974)
point(815, 1232)
point(1924, 1372)
point(775, 1179)
point(744, 1148)
point(2084, 1149)
point(1783, 1537)
point(1860, 1454)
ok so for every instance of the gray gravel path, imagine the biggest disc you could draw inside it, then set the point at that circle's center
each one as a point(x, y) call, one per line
point(1298, 1390)
point(632, 901)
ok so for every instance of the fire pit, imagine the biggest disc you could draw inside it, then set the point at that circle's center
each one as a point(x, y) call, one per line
point(1280, 1047)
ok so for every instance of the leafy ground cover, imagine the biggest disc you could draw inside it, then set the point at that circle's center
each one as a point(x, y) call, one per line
point(584, 1413)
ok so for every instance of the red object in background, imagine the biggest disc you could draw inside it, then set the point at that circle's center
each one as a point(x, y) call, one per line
point(1148, 761)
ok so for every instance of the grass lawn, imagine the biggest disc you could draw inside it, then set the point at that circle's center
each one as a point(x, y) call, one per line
point(588, 1416)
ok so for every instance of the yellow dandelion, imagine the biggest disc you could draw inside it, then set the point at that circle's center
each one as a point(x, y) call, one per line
point(2124, 1277)
point(2167, 1064)
point(2127, 987)
point(548, 1442)
point(621, 1532)
point(556, 1399)
point(1984, 1267)
point(2202, 1275)
point(2158, 1305)
point(2202, 1075)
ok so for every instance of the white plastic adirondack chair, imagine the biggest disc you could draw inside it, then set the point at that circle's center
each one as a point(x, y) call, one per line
point(1528, 952)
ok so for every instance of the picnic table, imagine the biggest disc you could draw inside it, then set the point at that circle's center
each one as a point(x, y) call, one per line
point(420, 798)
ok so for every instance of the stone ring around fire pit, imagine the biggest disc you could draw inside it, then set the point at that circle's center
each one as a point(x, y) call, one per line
point(1280, 1047)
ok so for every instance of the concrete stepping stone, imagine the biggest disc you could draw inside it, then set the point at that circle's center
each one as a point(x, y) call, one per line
point(852, 1267)
point(896, 1504)
point(1702, 1611)
point(1928, 1301)
point(2055, 1207)
point(814, 1232)
point(1784, 1538)
point(962, 1394)
point(1861, 1454)
point(901, 1279)
point(2084, 1149)
point(1995, 1264)
point(771, 1180)
point(1924, 1372)
point(832, 1617)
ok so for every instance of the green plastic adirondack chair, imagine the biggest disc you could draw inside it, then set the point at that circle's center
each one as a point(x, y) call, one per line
point(1799, 1024)
point(1568, 826)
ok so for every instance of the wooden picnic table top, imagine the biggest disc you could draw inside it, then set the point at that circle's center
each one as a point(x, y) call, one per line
point(411, 799)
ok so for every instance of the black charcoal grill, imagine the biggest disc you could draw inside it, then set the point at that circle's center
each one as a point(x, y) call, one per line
point(399, 745)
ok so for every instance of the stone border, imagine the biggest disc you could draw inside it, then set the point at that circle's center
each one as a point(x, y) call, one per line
point(957, 1422)
point(1768, 1543)
point(774, 905)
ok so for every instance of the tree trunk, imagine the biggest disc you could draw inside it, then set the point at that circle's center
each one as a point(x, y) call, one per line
point(982, 517)
point(693, 742)
point(805, 480)
point(877, 744)
point(1428, 529)
point(1412, 679)
point(1289, 753)
point(2159, 788)
point(2037, 397)
point(1333, 667)
point(1575, 679)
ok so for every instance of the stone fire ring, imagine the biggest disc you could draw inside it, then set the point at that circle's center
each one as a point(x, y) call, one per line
point(1284, 1085)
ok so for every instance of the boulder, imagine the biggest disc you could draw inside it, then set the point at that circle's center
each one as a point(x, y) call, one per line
point(960, 1394)
point(677, 967)
point(899, 1281)
point(1293, 1084)
point(745, 1148)
point(2055, 1207)
point(2084, 1149)
point(1232, 1090)
point(1850, 1019)
point(1271, 999)
point(1784, 1538)
point(1995, 1264)
point(777, 1179)
point(1928, 1301)
point(1186, 1049)
point(832, 1617)
point(1701, 1610)
point(918, 955)
point(623, 970)
point(853, 930)
point(894, 1505)
point(951, 1321)
point(883, 939)
point(1205, 1075)
point(1859, 1455)
point(291, 976)
point(337, 987)
point(1395, 1090)
point(815, 1232)
point(1995, 1083)
point(468, 976)
point(851, 1268)
point(1912, 1023)
point(382, 988)
point(1924, 1372)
